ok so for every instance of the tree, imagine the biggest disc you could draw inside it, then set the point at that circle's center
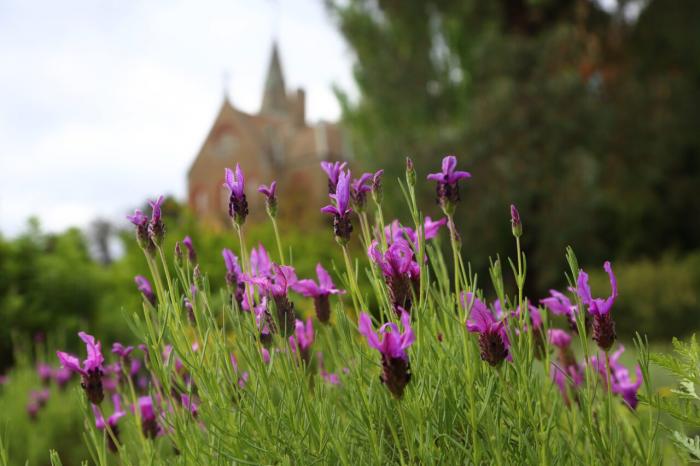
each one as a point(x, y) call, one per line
point(560, 107)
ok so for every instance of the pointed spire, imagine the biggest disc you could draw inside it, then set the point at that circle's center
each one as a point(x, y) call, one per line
point(225, 79)
point(275, 93)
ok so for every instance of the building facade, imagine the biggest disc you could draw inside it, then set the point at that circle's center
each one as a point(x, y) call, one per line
point(277, 143)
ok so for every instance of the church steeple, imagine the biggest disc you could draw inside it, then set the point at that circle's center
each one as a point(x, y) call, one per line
point(275, 93)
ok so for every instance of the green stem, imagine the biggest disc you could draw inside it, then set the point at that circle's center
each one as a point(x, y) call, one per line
point(356, 296)
point(277, 238)
point(455, 256)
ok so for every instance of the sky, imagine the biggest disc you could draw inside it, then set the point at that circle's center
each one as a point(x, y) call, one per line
point(105, 103)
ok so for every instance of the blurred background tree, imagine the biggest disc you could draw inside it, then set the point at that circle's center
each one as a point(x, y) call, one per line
point(584, 117)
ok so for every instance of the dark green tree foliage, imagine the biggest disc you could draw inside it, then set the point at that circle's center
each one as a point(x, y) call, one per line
point(586, 119)
point(49, 283)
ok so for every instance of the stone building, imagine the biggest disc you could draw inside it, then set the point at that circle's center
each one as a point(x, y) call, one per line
point(277, 143)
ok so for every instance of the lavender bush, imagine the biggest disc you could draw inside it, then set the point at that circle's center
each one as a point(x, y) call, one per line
point(440, 371)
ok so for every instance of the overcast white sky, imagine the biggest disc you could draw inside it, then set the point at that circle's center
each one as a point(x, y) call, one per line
point(104, 103)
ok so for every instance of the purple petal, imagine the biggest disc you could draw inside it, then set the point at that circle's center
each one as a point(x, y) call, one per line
point(324, 278)
point(307, 288)
point(559, 338)
point(70, 362)
point(365, 328)
point(449, 163)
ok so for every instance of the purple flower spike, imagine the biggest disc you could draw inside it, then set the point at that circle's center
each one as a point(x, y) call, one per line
point(145, 288)
point(149, 424)
point(140, 221)
point(191, 253)
point(302, 339)
point(342, 226)
point(45, 372)
point(270, 198)
point(156, 228)
point(62, 376)
point(277, 285)
point(91, 371)
point(333, 170)
point(493, 339)
point(260, 263)
point(620, 381)
point(392, 345)
point(237, 204)
point(448, 183)
point(559, 338)
point(234, 277)
point(603, 325)
point(401, 272)
point(319, 292)
point(359, 189)
point(121, 350)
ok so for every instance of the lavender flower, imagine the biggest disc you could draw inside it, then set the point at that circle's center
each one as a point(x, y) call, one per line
point(260, 263)
point(234, 276)
point(144, 286)
point(377, 191)
point(620, 381)
point(112, 421)
point(122, 351)
point(32, 409)
point(359, 189)
point(493, 339)
point(265, 354)
point(62, 376)
point(603, 325)
point(395, 231)
point(329, 377)
point(191, 253)
point(392, 345)
point(516, 225)
point(45, 372)
point(243, 379)
point(91, 370)
point(156, 228)
point(302, 339)
point(270, 198)
point(401, 272)
point(237, 204)
point(149, 424)
point(559, 338)
point(189, 404)
point(278, 285)
point(333, 170)
point(40, 396)
point(143, 239)
point(561, 305)
point(342, 226)
point(448, 184)
point(320, 293)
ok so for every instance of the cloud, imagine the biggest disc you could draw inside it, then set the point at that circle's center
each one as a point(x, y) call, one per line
point(105, 106)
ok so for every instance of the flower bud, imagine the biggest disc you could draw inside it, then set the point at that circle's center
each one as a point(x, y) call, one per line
point(377, 191)
point(516, 225)
point(178, 254)
point(410, 172)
